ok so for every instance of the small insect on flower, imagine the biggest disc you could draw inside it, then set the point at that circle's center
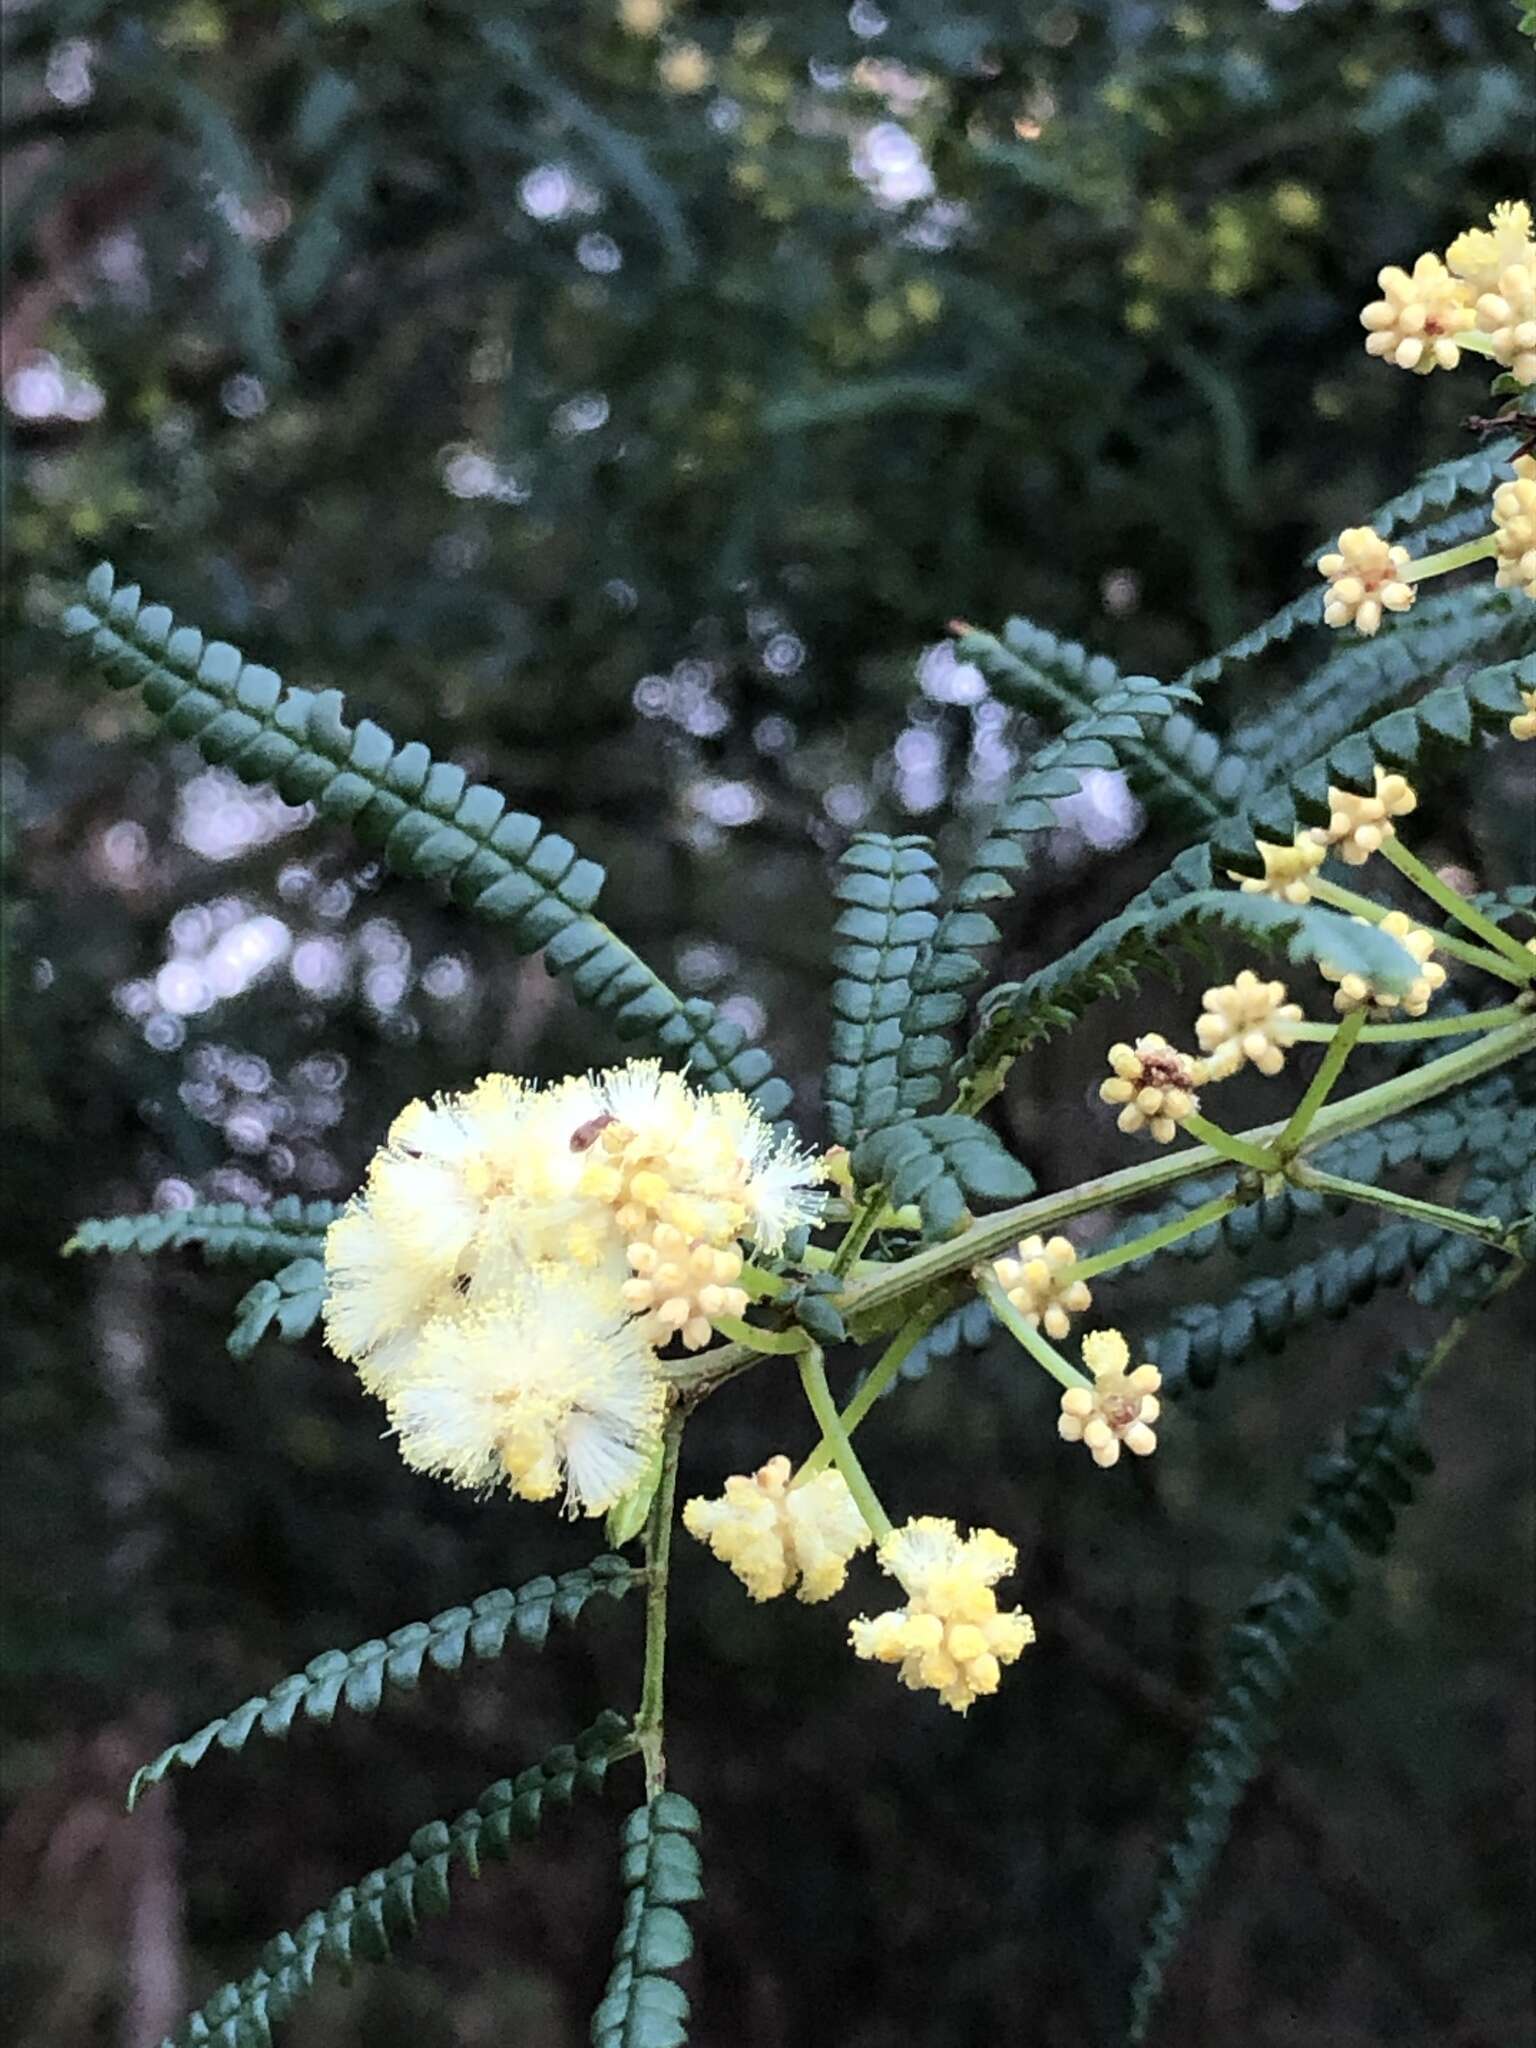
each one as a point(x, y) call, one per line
point(950, 1636)
point(1287, 870)
point(1119, 1408)
point(1156, 1085)
point(1365, 579)
point(1359, 826)
point(1033, 1279)
point(775, 1536)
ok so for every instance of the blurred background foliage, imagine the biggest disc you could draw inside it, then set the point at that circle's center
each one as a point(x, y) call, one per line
point(623, 400)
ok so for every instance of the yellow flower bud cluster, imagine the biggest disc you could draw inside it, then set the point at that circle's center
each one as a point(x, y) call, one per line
point(1523, 725)
point(1032, 1279)
point(518, 1253)
point(1486, 284)
point(1514, 525)
point(1359, 826)
point(1287, 870)
point(1355, 992)
point(775, 1536)
point(1119, 1408)
point(949, 1637)
point(1248, 1022)
point(1155, 1086)
point(1365, 579)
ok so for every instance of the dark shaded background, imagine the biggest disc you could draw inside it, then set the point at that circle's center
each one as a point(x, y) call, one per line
point(623, 404)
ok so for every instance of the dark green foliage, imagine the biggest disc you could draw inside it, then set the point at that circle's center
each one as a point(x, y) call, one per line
point(360, 1678)
point(1179, 910)
point(943, 1163)
point(1366, 677)
point(644, 2006)
point(1446, 484)
point(290, 1229)
point(1354, 1496)
point(1262, 1315)
point(1409, 739)
point(1503, 1185)
point(887, 892)
point(816, 1308)
point(1056, 770)
point(1173, 764)
point(429, 820)
point(289, 1303)
point(362, 1923)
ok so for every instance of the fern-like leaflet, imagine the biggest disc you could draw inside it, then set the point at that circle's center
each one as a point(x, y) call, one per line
point(359, 1678)
point(429, 820)
point(1354, 1496)
point(362, 1923)
point(290, 1229)
point(643, 2005)
point(886, 890)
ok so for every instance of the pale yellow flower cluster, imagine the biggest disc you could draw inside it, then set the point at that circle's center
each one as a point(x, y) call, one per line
point(1033, 1279)
point(1287, 870)
point(1354, 992)
point(1246, 1023)
point(1523, 725)
point(1119, 1408)
point(775, 1536)
point(1359, 826)
point(1486, 285)
point(1365, 580)
point(1514, 525)
point(518, 1253)
point(1156, 1086)
point(950, 1636)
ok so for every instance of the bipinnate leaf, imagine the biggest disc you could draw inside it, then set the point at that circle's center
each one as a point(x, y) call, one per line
point(428, 819)
point(1354, 1497)
point(362, 1923)
point(359, 1678)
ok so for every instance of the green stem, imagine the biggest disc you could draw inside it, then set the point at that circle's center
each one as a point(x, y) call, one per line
point(1477, 550)
point(773, 1342)
point(760, 1285)
point(1340, 1046)
point(1489, 1228)
point(813, 1377)
point(1154, 1240)
point(1229, 1146)
point(876, 1380)
point(1514, 1271)
point(1039, 1347)
point(1405, 1034)
point(996, 1233)
point(1445, 942)
point(1457, 907)
point(658, 1551)
point(860, 1230)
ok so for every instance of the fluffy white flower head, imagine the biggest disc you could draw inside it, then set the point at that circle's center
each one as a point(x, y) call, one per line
point(546, 1385)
